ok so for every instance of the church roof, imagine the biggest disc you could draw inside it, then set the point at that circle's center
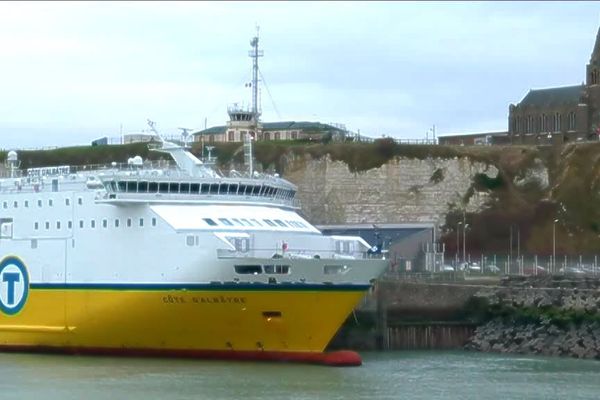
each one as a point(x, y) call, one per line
point(553, 96)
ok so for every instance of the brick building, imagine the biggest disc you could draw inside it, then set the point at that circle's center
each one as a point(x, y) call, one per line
point(560, 114)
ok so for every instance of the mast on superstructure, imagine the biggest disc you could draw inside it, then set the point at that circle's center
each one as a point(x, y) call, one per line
point(254, 54)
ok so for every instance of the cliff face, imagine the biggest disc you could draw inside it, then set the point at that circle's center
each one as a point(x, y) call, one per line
point(401, 190)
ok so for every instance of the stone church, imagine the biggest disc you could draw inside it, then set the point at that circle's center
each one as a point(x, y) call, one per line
point(560, 114)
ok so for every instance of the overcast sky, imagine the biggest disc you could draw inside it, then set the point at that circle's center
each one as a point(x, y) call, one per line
point(72, 72)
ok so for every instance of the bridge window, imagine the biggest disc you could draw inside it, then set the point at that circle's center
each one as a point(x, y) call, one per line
point(163, 187)
point(256, 190)
point(334, 269)
point(143, 187)
point(280, 223)
point(132, 187)
point(256, 222)
point(204, 188)
point(214, 188)
point(122, 186)
point(195, 188)
point(246, 222)
point(184, 188)
point(237, 221)
point(67, 202)
point(224, 188)
point(16, 204)
point(269, 222)
point(152, 187)
point(174, 187)
point(233, 188)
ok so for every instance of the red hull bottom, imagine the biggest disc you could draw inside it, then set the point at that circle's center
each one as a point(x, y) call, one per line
point(341, 358)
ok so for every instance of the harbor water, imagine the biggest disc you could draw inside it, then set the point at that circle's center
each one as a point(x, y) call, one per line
point(391, 375)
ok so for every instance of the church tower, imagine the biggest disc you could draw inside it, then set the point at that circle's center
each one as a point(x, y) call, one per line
point(592, 89)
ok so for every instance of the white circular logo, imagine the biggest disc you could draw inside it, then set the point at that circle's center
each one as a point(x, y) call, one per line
point(14, 285)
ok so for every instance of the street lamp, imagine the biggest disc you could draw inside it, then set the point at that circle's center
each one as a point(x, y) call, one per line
point(464, 242)
point(457, 241)
point(554, 246)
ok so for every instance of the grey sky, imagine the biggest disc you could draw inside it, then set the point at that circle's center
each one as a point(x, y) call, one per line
point(71, 72)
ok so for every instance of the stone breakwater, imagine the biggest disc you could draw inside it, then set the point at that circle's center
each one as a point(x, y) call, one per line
point(549, 316)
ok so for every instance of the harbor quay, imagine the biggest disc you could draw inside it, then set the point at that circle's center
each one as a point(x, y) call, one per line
point(552, 315)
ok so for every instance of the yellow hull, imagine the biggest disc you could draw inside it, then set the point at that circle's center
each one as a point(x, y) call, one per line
point(238, 318)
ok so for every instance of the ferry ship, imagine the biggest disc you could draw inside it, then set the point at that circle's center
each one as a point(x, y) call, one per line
point(179, 260)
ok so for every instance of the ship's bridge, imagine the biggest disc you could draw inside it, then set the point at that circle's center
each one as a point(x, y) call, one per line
point(225, 189)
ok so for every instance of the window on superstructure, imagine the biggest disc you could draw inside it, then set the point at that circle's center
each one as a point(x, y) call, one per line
point(224, 188)
point(163, 187)
point(16, 204)
point(47, 225)
point(184, 188)
point(57, 224)
point(242, 189)
point(152, 187)
point(209, 221)
point(173, 187)
point(67, 202)
point(50, 202)
point(225, 221)
point(142, 187)
point(214, 188)
point(36, 226)
point(237, 221)
point(256, 190)
point(39, 203)
point(248, 269)
point(204, 188)
point(195, 188)
point(233, 188)
point(189, 240)
point(116, 223)
point(277, 269)
point(131, 187)
point(256, 222)
point(141, 221)
point(280, 223)
point(26, 203)
point(5, 204)
point(129, 222)
point(105, 223)
point(122, 186)
point(34, 243)
point(81, 223)
point(69, 224)
point(245, 222)
point(93, 223)
point(269, 222)
point(80, 201)
point(153, 221)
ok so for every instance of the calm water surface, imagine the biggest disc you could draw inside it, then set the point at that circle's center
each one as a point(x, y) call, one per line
point(396, 375)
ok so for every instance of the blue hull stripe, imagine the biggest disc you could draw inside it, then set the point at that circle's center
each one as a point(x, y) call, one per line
point(275, 287)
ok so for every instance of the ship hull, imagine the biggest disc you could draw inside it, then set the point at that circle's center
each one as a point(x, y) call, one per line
point(284, 322)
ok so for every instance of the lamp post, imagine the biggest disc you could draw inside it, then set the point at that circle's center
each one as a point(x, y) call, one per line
point(464, 242)
point(457, 241)
point(554, 246)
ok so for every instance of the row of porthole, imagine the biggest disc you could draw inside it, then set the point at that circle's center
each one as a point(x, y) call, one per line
point(40, 203)
point(116, 223)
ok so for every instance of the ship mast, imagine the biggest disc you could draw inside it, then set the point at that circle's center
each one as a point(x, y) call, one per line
point(254, 54)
